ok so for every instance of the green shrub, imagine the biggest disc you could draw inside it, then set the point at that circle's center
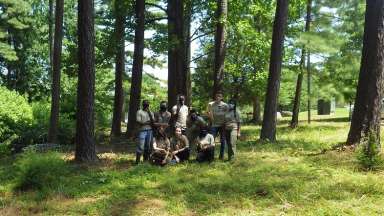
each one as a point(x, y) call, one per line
point(15, 117)
point(38, 132)
point(40, 171)
point(369, 153)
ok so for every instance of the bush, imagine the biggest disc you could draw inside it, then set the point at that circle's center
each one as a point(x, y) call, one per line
point(38, 132)
point(15, 117)
point(40, 171)
point(369, 154)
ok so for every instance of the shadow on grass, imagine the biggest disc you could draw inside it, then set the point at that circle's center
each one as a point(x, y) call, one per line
point(332, 119)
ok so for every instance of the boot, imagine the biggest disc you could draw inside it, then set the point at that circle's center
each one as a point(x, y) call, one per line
point(138, 156)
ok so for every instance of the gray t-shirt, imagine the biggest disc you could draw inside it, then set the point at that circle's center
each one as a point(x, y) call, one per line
point(231, 120)
point(162, 117)
point(143, 118)
point(181, 120)
point(217, 112)
point(179, 142)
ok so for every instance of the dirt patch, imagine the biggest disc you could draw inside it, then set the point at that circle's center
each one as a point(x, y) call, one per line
point(9, 211)
point(143, 207)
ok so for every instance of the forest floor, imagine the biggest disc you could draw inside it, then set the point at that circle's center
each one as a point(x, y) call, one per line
point(294, 176)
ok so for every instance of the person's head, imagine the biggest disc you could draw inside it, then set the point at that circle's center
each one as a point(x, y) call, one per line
point(145, 104)
point(232, 104)
point(160, 133)
point(178, 131)
point(181, 99)
point(163, 106)
point(218, 96)
point(203, 132)
point(193, 114)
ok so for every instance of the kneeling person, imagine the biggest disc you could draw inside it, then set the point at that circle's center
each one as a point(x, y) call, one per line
point(161, 147)
point(179, 146)
point(205, 143)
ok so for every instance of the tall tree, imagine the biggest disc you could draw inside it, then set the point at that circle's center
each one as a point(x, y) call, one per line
point(268, 130)
point(119, 68)
point(256, 109)
point(296, 102)
point(57, 44)
point(366, 113)
point(177, 78)
point(137, 67)
point(187, 57)
point(50, 33)
point(85, 143)
point(221, 19)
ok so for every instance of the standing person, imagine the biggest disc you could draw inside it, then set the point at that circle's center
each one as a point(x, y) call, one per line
point(194, 124)
point(216, 114)
point(232, 128)
point(162, 118)
point(179, 114)
point(180, 146)
point(144, 118)
point(205, 143)
point(161, 147)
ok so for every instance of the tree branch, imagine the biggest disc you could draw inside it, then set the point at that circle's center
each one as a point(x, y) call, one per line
point(202, 35)
point(155, 19)
point(201, 56)
point(157, 6)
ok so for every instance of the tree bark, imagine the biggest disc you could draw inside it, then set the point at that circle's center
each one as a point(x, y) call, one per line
point(256, 117)
point(220, 46)
point(300, 77)
point(56, 74)
point(187, 57)
point(50, 34)
point(137, 67)
point(119, 70)
point(85, 143)
point(309, 86)
point(268, 129)
point(366, 113)
point(177, 78)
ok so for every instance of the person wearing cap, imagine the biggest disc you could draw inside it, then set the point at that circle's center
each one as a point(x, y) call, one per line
point(216, 114)
point(179, 114)
point(179, 146)
point(205, 143)
point(145, 120)
point(161, 148)
point(232, 128)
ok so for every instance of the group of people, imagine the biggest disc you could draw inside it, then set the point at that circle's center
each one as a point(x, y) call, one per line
point(171, 137)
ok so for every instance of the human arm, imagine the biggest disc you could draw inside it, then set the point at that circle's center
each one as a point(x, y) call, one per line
point(184, 139)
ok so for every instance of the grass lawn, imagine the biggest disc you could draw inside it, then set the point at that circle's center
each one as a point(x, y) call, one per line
point(291, 177)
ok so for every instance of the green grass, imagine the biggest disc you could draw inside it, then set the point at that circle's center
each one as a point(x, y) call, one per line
point(291, 177)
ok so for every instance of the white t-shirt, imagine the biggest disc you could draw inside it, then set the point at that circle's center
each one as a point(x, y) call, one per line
point(182, 116)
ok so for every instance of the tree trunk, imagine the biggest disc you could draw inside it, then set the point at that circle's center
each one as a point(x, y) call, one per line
point(85, 143)
point(137, 67)
point(256, 110)
point(119, 70)
point(177, 78)
point(366, 113)
point(268, 129)
point(309, 85)
point(50, 34)
point(55, 102)
point(220, 45)
point(300, 77)
point(187, 56)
